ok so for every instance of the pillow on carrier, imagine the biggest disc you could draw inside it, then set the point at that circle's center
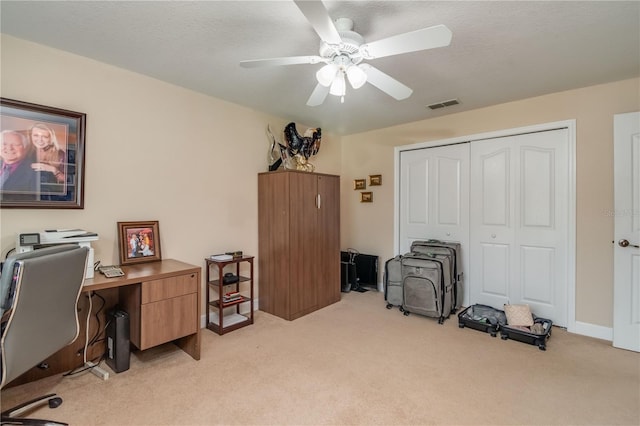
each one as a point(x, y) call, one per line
point(519, 315)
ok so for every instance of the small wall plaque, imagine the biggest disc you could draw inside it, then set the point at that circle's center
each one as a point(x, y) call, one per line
point(366, 197)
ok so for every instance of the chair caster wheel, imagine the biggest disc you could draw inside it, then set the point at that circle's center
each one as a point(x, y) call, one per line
point(389, 306)
point(406, 313)
point(55, 402)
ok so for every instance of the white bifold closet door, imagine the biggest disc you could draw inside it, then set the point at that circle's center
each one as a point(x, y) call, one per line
point(519, 218)
point(434, 199)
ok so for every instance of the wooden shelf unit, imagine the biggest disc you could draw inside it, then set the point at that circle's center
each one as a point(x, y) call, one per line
point(223, 322)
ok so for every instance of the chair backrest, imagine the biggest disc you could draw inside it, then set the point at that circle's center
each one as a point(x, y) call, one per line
point(41, 289)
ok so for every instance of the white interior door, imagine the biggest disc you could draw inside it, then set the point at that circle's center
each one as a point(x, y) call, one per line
point(434, 199)
point(626, 294)
point(519, 222)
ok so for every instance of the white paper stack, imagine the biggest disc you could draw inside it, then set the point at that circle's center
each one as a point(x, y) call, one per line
point(221, 257)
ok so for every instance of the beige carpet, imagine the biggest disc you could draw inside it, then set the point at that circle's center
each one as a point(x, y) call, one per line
point(356, 362)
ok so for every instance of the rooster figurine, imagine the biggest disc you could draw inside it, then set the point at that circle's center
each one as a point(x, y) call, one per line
point(306, 145)
point(295, 153)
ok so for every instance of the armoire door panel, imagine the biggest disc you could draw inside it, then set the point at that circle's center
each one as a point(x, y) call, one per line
point(303, 237)
point(327, 267)
point(273, 238)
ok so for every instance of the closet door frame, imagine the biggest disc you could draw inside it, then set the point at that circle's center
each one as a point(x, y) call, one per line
point(570, 125)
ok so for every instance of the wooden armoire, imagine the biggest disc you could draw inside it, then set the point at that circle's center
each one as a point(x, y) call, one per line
point(299, 242)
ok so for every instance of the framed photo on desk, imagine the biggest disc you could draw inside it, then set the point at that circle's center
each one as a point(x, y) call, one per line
point(139, 242)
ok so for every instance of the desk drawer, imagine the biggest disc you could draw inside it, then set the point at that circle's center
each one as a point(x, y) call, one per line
point(167, 320)
point(156, 290)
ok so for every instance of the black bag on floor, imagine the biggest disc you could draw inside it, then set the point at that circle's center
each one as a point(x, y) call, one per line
point(482, 317)
point(537, 335)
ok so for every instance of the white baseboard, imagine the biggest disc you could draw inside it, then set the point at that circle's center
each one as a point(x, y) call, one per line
point(592, 330)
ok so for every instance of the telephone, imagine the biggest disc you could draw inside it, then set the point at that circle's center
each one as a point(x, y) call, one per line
point(230, 278)
point(111, 271)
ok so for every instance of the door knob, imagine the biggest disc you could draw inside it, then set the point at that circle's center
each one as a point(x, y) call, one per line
point(625, 243)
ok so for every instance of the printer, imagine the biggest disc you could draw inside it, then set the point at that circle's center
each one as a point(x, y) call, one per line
point(33, 240)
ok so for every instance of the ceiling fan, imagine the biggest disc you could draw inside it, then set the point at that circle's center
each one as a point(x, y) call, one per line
point(342, 50)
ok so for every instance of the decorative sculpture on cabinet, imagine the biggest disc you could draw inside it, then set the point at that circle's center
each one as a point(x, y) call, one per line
point(295, 154)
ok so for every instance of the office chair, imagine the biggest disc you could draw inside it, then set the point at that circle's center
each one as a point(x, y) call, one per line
point(39, 291)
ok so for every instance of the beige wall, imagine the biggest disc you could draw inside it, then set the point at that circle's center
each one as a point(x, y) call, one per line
point(154, 151)
point(370, 227)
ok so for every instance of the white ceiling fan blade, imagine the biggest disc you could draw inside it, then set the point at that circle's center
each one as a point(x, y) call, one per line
point(290, 60)
point(386, 83)
point(426, 38)
point(317, 15)
point(318, 96)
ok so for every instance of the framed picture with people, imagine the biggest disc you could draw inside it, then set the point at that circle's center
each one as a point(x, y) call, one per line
point(139, 242)
point(41, 156)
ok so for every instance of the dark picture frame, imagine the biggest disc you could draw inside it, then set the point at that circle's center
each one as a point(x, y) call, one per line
point(43, 165)
point(139, 242)
point(375, 180)
point(366, 197)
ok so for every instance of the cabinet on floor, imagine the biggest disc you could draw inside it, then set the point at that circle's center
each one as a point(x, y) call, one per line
point(299, 242)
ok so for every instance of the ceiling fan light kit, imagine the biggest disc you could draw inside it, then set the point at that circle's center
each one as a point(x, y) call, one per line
point(338, 87)
point(342, 50)
point(327, 74)
point(357, 77)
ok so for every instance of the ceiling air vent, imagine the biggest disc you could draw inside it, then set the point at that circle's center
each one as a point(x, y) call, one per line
point(443, 104)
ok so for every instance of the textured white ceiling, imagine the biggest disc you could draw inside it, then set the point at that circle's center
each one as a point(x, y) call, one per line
point(500, 51)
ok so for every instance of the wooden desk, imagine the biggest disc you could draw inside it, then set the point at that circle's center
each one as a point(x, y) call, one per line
point(163, 302)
